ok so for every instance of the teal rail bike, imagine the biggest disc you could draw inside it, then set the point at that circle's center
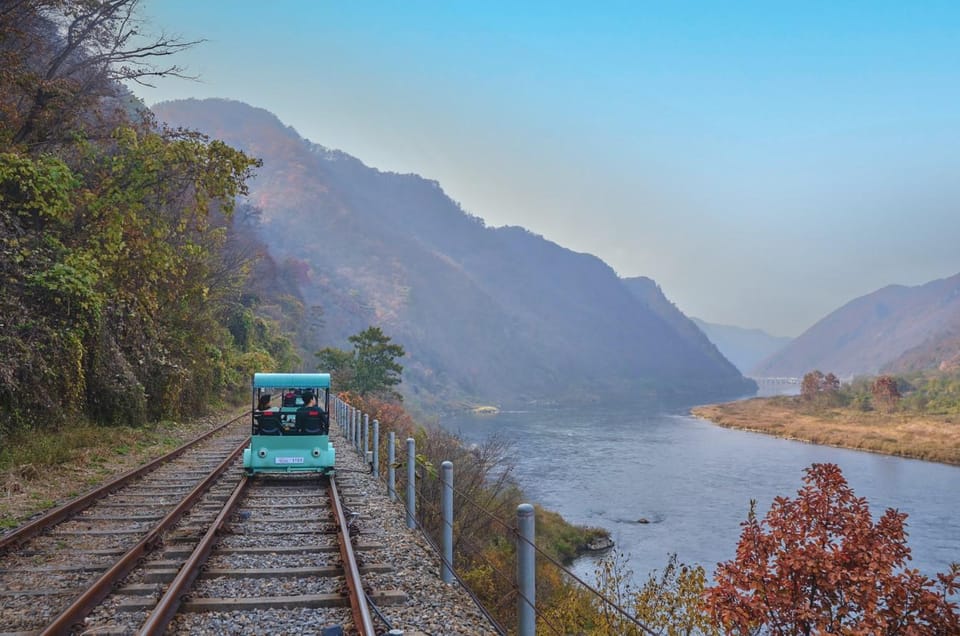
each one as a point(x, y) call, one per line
point(290, 424)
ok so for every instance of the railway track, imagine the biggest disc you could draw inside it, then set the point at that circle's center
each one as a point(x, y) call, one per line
point(245, 554)
point(58, 567)
point(278, 558)
point(259, 555)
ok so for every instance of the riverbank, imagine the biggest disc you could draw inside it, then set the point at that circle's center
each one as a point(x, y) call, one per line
point(934, 438)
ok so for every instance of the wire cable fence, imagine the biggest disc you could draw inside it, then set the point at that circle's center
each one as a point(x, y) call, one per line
point(485, 544)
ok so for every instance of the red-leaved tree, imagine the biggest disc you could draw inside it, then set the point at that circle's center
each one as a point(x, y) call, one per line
point(885, 392)
point(817, 564)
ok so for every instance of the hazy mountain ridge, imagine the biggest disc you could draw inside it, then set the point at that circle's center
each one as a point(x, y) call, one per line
point(487, 313)
point(741, 346)
point(894, 328)
point(649, 292)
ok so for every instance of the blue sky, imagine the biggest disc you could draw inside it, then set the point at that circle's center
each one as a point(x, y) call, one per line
point(765, 162)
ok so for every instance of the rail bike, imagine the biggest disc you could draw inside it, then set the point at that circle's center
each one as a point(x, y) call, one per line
point(290, 424)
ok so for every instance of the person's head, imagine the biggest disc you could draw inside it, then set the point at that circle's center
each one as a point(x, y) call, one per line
point(264, 402)
point(308, 398)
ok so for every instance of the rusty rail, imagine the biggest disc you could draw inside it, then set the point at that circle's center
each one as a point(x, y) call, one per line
point(362, 619)
point(102, 587)
point(67, 510)
point(169, 603)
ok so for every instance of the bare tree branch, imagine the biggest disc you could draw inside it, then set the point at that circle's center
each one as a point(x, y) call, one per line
point(101, 42)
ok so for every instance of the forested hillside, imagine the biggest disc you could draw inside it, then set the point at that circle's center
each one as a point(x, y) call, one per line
point(129, 287)
point(896, 328)
point(491, 314)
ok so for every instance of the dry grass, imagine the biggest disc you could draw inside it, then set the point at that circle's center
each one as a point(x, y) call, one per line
point(920, 436)
point(39, 470)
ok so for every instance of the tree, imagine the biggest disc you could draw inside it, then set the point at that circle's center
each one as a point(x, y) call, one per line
point(818, 564)
point(376, 369)
point(885, 392)
point(673, 603)
point(811, 385)
point(831, 383)
point(819, 388)
point(339, 364)
point(370, 369)
point(73, 54)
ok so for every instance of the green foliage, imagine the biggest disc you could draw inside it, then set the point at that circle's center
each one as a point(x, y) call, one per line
point(370, 369)
point(71, 288)
point(120, 265)
point(122, 311)
point(565, 542)
point(376, 369)
point(673, 603)
point(39, 190)
point(339, 364)
point(930, 392)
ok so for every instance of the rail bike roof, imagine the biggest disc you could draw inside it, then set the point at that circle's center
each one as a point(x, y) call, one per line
point(291, 380)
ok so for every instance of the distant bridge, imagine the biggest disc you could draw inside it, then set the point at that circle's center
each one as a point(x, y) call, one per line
point(777, 380)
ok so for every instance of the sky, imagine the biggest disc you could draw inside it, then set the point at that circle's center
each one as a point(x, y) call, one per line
point(764, 162)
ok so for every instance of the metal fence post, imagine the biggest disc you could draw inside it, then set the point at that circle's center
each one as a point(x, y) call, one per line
point(356, 430)
point(366, 436)
point(446, 568)
point(376, 448)
point(526, 572)
point(391, 468)
point(411, 483)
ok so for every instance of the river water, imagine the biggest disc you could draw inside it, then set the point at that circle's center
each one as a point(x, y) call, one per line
point(693, 481)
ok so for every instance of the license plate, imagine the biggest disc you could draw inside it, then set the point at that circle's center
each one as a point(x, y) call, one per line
point(288, 460)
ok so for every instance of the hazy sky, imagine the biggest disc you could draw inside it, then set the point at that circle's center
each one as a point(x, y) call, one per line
point(765, 162)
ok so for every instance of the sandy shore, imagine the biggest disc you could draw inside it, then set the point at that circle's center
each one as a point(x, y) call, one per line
point(920, 436)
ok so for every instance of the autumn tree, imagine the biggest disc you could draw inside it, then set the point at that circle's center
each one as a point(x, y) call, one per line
point(672, 604)
point(819, 388)
point(885, 392)
point(818, 564)
point(831, 383)
point(73, 54)
point(811, 385)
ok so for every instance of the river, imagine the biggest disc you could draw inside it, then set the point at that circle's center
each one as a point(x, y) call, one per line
point(693, 481)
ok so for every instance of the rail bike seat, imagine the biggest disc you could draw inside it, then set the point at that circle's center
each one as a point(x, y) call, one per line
point(311, 420)
point(268, 423)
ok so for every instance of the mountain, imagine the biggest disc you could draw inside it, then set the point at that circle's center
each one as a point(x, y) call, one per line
point(649, 293)
point(743, 347)
point(485, 314)
point(896, 328)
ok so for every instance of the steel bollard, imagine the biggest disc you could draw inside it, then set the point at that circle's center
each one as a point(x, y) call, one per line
point(366, 435)
point(411, 483)
point(526, 572)
point(376, 448)
point(446, 568)
point(357, 416)
point(391, 465)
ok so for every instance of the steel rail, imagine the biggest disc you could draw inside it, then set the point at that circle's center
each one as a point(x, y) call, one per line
point(67, 510)
point(102, 587)
point(169, 603)
point(362, 619)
